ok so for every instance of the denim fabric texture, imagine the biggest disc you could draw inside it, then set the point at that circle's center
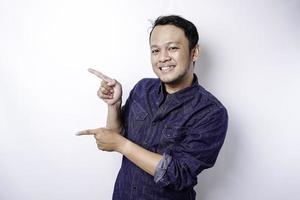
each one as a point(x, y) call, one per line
point(187, 127)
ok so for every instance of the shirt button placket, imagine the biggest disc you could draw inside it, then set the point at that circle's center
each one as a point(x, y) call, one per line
point(134, 187)
point(145, 143)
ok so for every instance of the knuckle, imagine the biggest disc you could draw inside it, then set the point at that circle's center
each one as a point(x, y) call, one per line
point(103, 83)
point(100, 147)
point(100, 94)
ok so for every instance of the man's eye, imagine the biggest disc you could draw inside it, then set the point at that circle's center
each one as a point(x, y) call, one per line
point(173, 48)
point(154, 51)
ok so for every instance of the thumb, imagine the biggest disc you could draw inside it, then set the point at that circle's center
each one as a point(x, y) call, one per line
point(112, 83)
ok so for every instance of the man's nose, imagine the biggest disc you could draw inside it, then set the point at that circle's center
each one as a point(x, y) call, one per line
point(164, 56)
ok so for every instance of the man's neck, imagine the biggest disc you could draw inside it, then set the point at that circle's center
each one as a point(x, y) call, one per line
point(172, 88)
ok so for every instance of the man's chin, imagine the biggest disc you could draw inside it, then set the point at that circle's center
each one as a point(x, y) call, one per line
point(166, 78)
point(169, 81)
point(172, 80)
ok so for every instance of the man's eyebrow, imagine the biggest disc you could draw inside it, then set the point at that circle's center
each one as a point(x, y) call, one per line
point(153, 46)
point(168, 43)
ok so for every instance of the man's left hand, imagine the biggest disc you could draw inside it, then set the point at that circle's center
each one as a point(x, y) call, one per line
point(106, 139)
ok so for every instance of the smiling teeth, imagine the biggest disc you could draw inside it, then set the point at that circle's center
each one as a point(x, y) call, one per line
point(165, 68)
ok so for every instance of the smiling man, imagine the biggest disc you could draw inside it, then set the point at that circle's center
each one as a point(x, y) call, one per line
point(170, 128)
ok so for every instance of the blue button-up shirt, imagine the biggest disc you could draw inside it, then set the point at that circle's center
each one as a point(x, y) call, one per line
point(187, 127)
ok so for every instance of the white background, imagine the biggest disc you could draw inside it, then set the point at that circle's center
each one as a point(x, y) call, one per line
point(250, 61)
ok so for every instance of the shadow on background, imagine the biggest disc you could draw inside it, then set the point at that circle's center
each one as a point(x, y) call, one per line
point(216, 178)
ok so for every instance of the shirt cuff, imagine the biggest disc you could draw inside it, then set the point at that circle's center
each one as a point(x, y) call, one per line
point(161, 167)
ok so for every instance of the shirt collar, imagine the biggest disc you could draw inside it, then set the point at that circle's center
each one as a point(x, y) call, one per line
point(179, 95)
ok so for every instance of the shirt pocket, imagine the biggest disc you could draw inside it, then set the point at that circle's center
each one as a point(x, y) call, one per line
point(138, 111)
point(172, 135)
point(137, 118)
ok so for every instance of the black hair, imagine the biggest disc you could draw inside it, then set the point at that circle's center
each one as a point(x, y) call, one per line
point(188, 27)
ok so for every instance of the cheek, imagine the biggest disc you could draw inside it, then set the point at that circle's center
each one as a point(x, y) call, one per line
point(183, 58)
point(153, 61)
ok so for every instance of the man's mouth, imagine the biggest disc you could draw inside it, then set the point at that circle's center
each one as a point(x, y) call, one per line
point(168, 68)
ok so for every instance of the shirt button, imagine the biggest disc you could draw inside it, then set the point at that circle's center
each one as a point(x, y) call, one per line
point(134, 187)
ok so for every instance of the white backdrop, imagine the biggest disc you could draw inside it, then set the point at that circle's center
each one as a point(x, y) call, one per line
point(250, 61)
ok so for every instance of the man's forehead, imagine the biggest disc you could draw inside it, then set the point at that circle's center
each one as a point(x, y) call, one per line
point(167, 34)
point(165, 44)
point(166, 27)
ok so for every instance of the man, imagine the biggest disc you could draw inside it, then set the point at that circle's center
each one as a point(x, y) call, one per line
point(170, 128)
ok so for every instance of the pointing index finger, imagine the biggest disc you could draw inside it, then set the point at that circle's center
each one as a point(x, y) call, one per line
point(85, 132)
point(100, 75)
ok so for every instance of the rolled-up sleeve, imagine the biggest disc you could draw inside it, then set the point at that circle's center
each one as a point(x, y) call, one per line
point(161, 167)
point(197, 151)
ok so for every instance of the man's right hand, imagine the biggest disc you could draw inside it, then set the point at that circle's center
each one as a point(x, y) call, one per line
point(110, 90)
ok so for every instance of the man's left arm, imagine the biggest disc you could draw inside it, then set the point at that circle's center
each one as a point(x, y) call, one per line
point(179, 167)
point(110, 140)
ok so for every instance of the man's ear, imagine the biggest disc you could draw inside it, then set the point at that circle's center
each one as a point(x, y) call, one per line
point(196, 53)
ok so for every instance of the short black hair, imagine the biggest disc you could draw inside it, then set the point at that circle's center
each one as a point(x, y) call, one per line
point(188, 27)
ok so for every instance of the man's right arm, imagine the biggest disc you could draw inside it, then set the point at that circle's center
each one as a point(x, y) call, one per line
point(114, 119)
point(110, 92)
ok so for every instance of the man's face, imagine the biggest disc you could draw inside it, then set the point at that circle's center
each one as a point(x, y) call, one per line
point(170, 55)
